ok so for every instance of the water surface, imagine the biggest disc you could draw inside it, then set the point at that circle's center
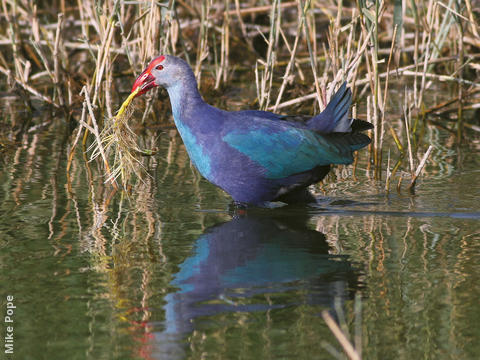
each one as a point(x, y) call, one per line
point(171, 273)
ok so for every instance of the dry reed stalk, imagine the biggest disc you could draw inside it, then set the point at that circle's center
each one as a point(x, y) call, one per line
point(446, 78)
point(419, 101)
point(56, 61)
point(348, 70)
point(222, 70)
point(416, 45)
point(459, 71)
point(411, 187)
point(100, 61)
point(401, 70)
point(12, 38)
point(243, 28)
point(293, 53)
point(118, 140)
point(23, 73)
point(108, 87)
point(396, 140)
point(388, 174)
point(264, 78)
point(396, 167)
point(226, 43)
point(261, 9)
point(383, 110)
point(371, 146)
point(202, 50)
point(424, 29)
point(310, 53)
point(376, 103)
point(95, 130)
point(407, 117)
point(153, 30)
point(295, 101)
point(102, 57)
point(473, 24)
point(28, 88)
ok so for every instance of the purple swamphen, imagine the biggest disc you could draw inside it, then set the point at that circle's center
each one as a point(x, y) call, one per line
point(256, 156)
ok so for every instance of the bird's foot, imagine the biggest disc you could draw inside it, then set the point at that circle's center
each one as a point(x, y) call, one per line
point(236, 208)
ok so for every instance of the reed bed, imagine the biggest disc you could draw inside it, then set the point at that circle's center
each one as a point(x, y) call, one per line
point(80, 59)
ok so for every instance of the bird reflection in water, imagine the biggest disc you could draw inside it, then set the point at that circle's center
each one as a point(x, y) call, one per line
point(241, 265)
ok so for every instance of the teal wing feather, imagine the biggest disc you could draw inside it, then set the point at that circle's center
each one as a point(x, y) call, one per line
point(283, 150)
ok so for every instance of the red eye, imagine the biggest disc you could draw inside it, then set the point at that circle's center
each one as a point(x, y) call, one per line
point(159, 67)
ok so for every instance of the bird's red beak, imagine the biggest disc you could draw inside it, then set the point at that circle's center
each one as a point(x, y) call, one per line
point(146, 80)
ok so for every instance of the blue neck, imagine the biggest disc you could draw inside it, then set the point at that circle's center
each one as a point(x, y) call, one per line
point(185, 99)
point(189, 111)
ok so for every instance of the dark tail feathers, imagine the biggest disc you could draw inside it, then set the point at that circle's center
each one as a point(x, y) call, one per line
point(335, 116)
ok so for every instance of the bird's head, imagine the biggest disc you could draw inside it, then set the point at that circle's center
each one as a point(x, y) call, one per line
point(164, 70)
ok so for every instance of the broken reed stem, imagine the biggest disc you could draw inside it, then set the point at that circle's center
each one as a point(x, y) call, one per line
point(420, 167)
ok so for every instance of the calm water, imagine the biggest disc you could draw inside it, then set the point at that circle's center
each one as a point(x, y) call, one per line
point(170, 273)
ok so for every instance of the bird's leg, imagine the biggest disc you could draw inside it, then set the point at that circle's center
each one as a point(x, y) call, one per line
point(237, 208)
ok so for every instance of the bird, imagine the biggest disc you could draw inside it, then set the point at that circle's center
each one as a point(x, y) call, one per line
point(257, 157)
